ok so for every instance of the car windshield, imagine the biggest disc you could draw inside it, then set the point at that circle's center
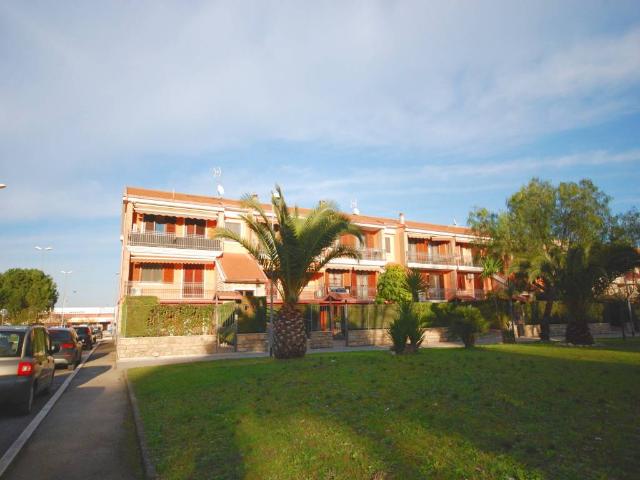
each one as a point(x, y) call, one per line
point(10, 343)
point(81, 330)
point(59, 335)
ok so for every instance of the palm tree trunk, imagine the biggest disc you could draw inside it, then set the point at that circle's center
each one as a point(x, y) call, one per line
point(578, 332)
point(290, 339)
point(545, 331)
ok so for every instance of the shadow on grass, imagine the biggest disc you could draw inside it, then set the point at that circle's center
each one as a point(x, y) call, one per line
point(486, 413)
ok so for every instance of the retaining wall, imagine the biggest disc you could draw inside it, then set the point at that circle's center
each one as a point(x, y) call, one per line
point(165, 346)
point(252, 342)
point(558, 330)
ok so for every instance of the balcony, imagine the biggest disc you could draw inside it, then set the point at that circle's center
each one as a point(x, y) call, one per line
point(464, 261)
point(431, 259)
point(170, 291)
point(169, 240)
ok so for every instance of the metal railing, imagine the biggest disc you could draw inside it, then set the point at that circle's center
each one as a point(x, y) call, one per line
point(468, 261)
point(370, 253)
point(423, 257)
point(170, 240)
point(365, 292)
point(186, 291)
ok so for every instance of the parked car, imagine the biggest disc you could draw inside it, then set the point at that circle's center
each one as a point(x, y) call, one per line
point(69, 344)
point(85, 334)
point(27, 366)
point(97, 332)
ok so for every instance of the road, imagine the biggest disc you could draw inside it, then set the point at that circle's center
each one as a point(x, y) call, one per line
point(12, 425)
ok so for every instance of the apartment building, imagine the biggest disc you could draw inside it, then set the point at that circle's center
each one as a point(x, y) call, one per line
point(169, 251)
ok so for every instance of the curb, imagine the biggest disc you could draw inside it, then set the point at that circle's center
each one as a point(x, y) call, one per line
point(147, 464)
point(19, 443)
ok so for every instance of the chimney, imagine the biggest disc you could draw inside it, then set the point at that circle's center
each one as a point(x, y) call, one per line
point(402, 218)
point(255, 197)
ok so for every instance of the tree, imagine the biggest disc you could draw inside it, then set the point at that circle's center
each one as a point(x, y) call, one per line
point(406, 327)
point(392, 285)
point(291, 252)
point(537, 229)
point(584, 274)
point(416, 284)
point(26, 293)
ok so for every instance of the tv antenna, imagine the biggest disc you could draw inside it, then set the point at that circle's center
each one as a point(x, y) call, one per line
point(354, 207)
point(217, 173)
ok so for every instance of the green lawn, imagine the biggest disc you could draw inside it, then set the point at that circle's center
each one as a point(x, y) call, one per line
point(500, 412)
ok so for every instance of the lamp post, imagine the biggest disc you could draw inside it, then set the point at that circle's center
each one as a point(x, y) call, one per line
point(2, 185)
point(64, 291)
point(42, 251)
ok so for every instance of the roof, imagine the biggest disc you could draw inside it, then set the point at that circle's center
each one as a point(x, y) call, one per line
point(227, 202)
point(241, 268)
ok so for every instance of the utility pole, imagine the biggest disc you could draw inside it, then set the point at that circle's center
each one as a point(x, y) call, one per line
point(64, 291)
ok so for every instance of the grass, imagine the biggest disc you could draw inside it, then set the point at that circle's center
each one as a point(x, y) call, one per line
point(500, 412)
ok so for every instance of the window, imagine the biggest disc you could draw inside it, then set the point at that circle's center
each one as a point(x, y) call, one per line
point(151, 273)
point(387, 244)
point(11, 343)
point(195, 228)
point(335, 279)
point(235, 227)
point(159, 224)
point(39, 345)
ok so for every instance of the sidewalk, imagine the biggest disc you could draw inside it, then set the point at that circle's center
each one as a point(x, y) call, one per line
point(89, 433)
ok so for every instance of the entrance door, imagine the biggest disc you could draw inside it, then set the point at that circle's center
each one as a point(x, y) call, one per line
point(193, 284)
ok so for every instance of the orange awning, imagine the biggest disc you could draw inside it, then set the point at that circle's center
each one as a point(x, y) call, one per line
point(241, 268)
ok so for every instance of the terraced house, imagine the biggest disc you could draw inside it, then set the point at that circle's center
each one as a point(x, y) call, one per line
point(169, 251)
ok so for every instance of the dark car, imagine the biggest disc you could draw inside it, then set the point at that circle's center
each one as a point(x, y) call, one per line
point(97, 332)
point(26, 365)
point(85, 334)
point(70, 346)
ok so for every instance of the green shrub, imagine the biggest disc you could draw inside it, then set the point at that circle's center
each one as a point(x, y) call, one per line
point(135, 312)
point(407, 327)
point(465, 323)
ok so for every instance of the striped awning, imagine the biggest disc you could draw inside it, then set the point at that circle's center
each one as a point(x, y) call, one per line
point(366, 268)
point(189, 261)
point(441, 239)
point(418, 235)
point(176, 212)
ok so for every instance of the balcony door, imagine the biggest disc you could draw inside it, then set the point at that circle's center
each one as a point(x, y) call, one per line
point(193, 284)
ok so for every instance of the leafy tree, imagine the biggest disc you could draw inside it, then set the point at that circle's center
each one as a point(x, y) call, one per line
point(291, 255)
point(392, 285)
point(537, 229)
point(26, 293)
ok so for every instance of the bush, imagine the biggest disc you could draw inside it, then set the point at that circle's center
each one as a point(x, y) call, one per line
point(466, 323)
point(406, 327)
point(135, 313)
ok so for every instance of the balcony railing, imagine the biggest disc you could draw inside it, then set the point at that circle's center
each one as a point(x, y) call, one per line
point(169, 240)
point(423, 257)
point(468, 262)
point(370, 253)
point(170, 291)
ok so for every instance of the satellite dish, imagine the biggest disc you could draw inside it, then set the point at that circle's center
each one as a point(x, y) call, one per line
point(354, 207)
point(455, 222)
point(220, 190)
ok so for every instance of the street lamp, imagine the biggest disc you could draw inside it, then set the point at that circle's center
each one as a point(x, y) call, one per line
point(2, 185)
point(42, 251)
point(64, 291)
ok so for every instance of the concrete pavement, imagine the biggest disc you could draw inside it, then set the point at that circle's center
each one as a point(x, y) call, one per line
point(89, 433)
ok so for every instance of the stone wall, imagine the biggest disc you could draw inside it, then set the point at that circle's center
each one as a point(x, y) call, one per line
point(135, 347)
point(252, 342)
point(380, 337)
point(321, 340)
point(558, 330)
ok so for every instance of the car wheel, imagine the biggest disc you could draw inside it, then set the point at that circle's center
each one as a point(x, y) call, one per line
point(71, 366)
point(25, 407)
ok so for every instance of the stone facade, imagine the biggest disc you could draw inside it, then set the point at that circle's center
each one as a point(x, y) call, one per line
point(136, 347)
point(380, 337)
point(252, 342)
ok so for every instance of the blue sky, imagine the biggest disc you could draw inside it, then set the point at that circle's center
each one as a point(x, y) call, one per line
point(422, 107)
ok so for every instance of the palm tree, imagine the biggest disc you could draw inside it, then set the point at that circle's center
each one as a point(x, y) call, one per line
point(291, 252)
point(416, 283)
point(491, 266)
point(586, 273)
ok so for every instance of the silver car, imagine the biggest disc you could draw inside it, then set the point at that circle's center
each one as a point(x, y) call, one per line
point(27, 366)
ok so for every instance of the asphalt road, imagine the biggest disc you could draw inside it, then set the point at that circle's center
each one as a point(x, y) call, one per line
point(12, 424)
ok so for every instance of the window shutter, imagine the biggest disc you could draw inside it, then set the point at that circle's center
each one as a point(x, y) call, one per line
point(167, 273)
